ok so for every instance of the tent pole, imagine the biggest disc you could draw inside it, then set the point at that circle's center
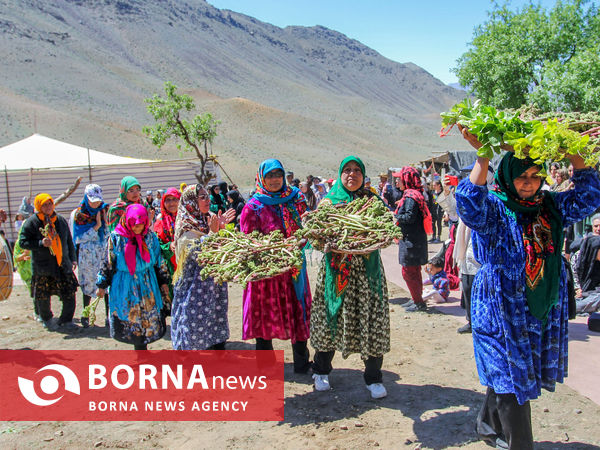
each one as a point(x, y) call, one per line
point(89, 166)
point(11, 229)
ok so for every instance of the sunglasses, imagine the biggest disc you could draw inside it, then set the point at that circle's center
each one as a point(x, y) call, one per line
point(203, 196)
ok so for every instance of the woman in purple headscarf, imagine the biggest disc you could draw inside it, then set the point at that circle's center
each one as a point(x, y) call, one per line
point(134, 270)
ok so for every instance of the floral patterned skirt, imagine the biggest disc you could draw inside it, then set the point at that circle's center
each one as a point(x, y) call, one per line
point(140, 321)
point(363, 322)
point(146, 324)
point(44, 286)
point(199, 310)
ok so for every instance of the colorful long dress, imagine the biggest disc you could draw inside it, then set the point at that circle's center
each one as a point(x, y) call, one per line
point(363, 319)
point(350, 310)
point(91, 253)
point(515, 352)
point(271, 308)
point(23, 266)
point(136, 304)
point(199, 316)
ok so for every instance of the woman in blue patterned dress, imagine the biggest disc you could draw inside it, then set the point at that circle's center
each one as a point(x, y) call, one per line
point(90, 235)
point(519, 308)
point(138, 280)
point(199, 314)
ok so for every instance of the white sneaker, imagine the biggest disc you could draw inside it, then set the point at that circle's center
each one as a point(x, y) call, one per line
point(321, 382)
point(377, 390)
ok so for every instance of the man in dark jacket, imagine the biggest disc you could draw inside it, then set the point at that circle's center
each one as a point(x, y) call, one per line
point(53, 260)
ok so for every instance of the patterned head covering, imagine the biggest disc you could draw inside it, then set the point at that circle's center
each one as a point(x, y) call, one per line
point(284, 195)
point(414, 189)
point(167, 218)
point(117, 209)
point(134, 215)
point(189, 216)
point(411, 179)
point(85, 215)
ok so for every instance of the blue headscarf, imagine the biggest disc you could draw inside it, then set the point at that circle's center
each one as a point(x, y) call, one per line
point(284, 195)
point(85, 218)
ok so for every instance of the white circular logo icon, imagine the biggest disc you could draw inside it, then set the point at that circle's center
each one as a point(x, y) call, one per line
point(49, 385)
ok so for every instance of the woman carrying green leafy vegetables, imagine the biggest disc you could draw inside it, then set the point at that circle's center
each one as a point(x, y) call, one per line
point(350, 311)
point(519, 301)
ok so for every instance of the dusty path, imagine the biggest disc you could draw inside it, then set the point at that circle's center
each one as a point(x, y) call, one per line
point(434, 396)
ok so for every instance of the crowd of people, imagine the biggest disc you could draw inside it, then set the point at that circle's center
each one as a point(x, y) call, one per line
point(512, 239)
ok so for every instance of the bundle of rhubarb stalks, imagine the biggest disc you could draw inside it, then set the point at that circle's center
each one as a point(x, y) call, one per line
point(359, 227)
point(230, 256)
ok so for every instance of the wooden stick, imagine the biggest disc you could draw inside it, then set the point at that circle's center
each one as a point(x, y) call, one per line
point(65, 195)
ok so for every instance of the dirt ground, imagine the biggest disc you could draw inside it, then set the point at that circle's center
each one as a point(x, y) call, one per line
point(433, 395)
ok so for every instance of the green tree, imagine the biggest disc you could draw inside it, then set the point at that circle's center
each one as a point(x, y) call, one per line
point(193, 135)
point(532, 55)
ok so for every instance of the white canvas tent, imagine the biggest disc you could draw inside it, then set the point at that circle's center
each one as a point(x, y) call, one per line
point(41, 164)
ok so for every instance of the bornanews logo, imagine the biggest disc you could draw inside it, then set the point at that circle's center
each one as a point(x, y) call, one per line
point(49, 385)
point(142, 385)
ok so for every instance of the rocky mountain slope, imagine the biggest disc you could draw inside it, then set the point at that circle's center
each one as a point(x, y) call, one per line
point(79, 70)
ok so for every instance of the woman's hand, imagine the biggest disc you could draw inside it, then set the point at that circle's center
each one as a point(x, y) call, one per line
point(577, 161)
point(172, 247)
point(470, 138)
point(213, 223)
point(46, 242)
point(227, 217)
point(100, 292)
point(98, 221)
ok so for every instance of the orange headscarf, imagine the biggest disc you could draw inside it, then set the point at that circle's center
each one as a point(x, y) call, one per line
point(49, 221)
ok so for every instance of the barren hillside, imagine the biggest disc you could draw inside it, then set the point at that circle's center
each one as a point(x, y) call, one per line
point(79, 71)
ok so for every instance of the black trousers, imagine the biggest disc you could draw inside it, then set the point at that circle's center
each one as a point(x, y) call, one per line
point(372, 374)
point(467, 284)
point(300, 352)
point(68, 307)
point(436, 224)
point(219, 346)
point(502, 417)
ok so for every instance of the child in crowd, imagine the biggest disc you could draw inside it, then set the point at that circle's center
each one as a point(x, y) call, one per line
point(438, 279)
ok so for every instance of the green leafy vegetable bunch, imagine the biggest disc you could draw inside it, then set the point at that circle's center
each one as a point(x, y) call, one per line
point(548, 138)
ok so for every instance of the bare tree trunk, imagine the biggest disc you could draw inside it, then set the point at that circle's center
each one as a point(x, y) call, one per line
point(65, 195)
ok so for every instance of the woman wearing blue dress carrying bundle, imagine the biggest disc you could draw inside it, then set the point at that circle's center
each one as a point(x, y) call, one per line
point(519, 300)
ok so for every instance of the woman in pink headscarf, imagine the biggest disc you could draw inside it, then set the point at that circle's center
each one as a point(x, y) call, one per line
point(134, 270)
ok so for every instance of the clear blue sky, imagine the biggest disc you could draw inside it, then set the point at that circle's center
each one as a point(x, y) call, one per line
point(430, 33)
